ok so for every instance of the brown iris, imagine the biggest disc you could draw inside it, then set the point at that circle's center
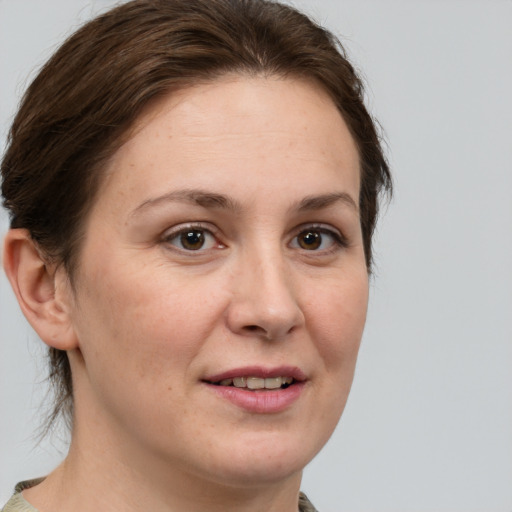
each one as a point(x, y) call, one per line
point(310, 240)
point(192, 240)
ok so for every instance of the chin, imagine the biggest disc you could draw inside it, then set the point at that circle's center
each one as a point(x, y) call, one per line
point(258, 459)
point(259, 472)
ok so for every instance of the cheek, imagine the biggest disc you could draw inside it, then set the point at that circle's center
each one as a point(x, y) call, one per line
point(139, 335)
point(145, 317)
point(338, 320)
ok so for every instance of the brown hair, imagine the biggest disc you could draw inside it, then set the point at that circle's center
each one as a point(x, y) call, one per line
point(75, 113)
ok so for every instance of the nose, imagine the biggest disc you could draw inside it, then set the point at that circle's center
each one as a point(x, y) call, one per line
point(264, 301)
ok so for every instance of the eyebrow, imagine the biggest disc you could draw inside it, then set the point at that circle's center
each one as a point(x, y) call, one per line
point(192, 196)
point(212, 200)
point(325, 200)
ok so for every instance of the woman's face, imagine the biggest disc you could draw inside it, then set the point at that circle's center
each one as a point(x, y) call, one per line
point(222, 288)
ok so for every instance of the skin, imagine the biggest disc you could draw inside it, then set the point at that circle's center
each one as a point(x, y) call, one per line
point(148, 319)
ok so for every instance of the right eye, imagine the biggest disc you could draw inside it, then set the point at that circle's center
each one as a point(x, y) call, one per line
point(192, 239)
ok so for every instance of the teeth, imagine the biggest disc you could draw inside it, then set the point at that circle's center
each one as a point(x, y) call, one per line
point(257, 382)
point(239, 382)
point(274, 383)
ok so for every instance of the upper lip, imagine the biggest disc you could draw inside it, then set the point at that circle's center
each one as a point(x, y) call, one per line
point(260, 372)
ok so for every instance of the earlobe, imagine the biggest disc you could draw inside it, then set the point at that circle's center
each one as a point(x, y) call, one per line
point(40, 291)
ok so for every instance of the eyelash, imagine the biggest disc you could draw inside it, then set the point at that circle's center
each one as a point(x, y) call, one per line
point(338, 239)
point(169, 237)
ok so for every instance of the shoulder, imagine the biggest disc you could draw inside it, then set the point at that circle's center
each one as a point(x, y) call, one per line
point(18, 503)
point(305, 505)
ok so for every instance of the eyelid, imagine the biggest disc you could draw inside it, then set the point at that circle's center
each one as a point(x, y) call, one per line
point(339, 238)
point(175, 231)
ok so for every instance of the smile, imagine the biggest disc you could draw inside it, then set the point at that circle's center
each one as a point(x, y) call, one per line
point(256, 383)
point(258, 389)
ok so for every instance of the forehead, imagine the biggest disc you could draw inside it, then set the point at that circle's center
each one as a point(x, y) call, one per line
point(251, 128)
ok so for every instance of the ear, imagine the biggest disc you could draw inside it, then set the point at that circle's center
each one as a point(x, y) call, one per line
point(43, 293)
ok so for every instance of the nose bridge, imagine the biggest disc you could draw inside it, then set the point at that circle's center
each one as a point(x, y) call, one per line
point(273, 286)
point(264, 299)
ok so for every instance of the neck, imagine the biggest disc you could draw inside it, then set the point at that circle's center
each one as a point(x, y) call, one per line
point(99, 474)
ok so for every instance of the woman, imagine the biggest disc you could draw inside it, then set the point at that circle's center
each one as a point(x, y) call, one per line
point(193, 188)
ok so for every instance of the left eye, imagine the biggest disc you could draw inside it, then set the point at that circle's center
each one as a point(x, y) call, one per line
point(315, 240)
point(192, 239)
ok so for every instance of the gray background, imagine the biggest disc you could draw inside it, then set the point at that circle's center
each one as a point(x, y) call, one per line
point(428, 426)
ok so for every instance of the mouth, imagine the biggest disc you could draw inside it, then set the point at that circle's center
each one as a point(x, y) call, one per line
point(256, 383)
point(256, 378)
point(258, 389)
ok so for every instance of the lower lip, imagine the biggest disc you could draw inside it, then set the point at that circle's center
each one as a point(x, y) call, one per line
point(269, 401)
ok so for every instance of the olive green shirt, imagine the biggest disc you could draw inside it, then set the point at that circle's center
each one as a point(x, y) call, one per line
point(19, 504)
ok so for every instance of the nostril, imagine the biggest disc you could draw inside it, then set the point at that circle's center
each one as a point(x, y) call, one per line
point(257, 330)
